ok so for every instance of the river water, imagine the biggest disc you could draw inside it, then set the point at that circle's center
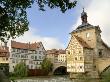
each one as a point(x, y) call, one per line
point(46, 79)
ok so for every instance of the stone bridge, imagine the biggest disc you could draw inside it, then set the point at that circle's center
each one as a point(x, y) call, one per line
point(102, 64)
point(58, 64)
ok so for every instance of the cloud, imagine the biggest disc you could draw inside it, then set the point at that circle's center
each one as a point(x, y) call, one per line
point(98, 12)
point(32, 36)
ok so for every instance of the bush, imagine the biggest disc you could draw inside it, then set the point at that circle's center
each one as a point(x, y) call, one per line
point(21, 70)
point(47, 65)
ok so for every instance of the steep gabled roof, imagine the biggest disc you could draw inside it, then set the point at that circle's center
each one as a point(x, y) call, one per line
point(56, 52)
point(32, 46)
point(82, 42)
point(15, 44)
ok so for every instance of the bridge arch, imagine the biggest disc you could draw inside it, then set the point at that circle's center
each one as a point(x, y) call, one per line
point(106, 70)
point(102, 64)
point(61, 70)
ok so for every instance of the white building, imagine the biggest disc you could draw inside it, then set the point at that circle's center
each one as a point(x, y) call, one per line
point(32, 54)
point(62, 57)
point(56, 56)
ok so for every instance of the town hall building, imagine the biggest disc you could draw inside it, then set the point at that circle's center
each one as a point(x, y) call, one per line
point(84, 48)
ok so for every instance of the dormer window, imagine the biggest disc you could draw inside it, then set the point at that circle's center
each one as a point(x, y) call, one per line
point(87, 35)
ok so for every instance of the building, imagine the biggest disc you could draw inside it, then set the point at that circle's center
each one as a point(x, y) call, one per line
point(84, 48)
point(4, 62)
point(30, 53)
point(52, 55)
point(56, 56)
point(62, 56)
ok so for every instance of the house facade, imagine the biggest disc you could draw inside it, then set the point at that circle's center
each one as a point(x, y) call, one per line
point(4, 59)
point(56, 56)
point(52, 55)
point(30, 53)
point(62, 56)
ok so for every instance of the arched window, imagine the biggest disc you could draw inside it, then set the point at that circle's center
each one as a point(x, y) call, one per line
point(87, 35)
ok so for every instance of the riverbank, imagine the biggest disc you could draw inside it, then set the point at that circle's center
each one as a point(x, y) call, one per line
point(34, 77)
point(54, 78)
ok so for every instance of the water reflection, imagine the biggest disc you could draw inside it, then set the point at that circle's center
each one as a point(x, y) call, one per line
point(47, 79)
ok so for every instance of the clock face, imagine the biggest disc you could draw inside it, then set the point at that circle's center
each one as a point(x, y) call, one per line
point(87, 35)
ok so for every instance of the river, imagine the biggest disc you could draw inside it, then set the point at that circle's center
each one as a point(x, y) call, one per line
point(46, 79)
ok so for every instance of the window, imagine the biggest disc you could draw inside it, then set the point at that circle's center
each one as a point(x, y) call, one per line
point(79, 51)
point(35, 57)
point(37, 63)
point(19, 56)
point(39, 57)
point(35, 52)
point(68, 52)
point(13, 61)
point(75, 58)
point(13, 50)
point(22, 56)
point(32, 57)
point(40, 62)
point(87, 35)
point(6, 58)
point(100, 52)
point(39, 52)
point(80, 67)
point(81, 58)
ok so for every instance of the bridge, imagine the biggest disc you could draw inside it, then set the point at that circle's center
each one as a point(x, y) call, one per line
point(102, 64)
point(61, 66)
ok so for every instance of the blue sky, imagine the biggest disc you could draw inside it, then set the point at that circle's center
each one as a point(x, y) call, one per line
point(52, 27)
point(52, 22)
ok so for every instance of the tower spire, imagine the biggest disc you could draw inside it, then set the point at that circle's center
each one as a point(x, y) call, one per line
point(84, 17)
point(83, 9)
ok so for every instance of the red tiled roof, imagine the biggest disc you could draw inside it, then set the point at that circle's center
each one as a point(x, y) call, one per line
point(4, 51)
point(82, 42)
point(56, 52)
point(32, 46)
point(62, 51)
point(53, 51)
point(15, 44)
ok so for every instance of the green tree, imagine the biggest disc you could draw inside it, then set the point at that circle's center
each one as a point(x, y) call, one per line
point(47, 65)
point(13, 15)
point(21, 70)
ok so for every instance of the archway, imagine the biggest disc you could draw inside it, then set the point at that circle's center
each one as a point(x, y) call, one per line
point(62, 70)
point(106, 70)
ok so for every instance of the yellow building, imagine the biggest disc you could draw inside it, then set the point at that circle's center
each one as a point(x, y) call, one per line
point(62, 56)
point(85, 47)
point(56, 56)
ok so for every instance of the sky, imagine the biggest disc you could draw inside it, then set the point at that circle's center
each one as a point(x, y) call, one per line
point(52, 27)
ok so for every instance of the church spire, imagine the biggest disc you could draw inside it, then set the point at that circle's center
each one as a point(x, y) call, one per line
point(84, 17)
